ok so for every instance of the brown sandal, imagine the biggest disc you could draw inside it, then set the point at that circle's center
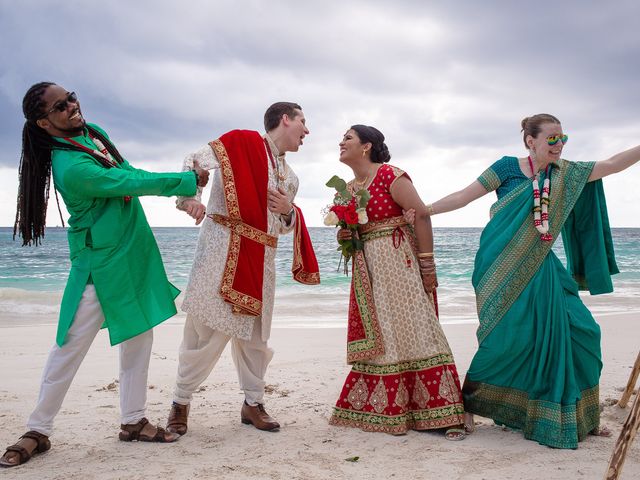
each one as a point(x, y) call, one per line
point(43, 444)
point(133, 432)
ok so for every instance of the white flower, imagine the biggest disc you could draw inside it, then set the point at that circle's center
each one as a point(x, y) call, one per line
point(362, 216)
point(331, 219)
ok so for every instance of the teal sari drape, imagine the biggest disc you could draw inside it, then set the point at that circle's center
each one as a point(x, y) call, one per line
point(538, 364)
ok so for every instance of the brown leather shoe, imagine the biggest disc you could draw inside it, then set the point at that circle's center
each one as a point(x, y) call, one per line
point(258, 417)
point(177, 422)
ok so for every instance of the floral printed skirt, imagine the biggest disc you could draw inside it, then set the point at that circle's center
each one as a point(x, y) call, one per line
point(414, 384)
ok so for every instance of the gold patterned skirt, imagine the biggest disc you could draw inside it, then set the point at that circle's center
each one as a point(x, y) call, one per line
point(414, 384)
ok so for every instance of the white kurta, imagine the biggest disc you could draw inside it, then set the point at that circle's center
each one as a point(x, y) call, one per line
point(202, 299)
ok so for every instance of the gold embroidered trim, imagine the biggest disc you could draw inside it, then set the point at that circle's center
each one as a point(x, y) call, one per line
point(550, 423)
point(381, 225)
point(513, 268)
point(244, 230)
point(241, 303)
point(428, 419)
point(408, 366)
point(397, 173)
point(489, 180)
point(372, 345)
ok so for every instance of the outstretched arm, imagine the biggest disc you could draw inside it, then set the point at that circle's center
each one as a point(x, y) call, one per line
point(459, 199)
point(615, 164)
point(404, 194)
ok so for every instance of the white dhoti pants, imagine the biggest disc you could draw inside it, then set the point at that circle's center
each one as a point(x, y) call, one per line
point(63, 363)
point(200, 350)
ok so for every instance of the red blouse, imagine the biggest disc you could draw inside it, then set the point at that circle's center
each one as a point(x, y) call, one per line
point(381, 205)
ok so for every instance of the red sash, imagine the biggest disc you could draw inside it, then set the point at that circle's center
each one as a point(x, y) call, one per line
point(304, 266)
point(244, 168)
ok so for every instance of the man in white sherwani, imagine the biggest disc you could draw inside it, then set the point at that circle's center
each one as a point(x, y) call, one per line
point(231, 287)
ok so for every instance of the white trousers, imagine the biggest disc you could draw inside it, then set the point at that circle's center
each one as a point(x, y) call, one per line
point(200, 350)
point(63, 363)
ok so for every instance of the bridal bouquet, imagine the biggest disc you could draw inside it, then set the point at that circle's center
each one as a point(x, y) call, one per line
point(347, 211)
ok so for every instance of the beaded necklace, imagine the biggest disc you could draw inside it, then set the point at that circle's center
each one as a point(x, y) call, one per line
point(541, 203)
point(101, 151)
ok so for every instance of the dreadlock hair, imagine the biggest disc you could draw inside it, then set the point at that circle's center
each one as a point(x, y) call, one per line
point(34, 171)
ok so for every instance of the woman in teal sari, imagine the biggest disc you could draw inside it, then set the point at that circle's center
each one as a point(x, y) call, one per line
point(538, 363)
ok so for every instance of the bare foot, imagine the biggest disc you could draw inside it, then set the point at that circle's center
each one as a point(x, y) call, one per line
point(469, 424)
point(602, 431)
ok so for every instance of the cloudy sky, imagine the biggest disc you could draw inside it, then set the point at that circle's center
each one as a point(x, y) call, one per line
point(446, 82)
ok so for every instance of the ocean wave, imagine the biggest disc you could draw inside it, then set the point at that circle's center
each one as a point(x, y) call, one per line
point(17, 301)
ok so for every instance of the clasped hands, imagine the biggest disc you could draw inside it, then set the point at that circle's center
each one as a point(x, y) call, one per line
point(203, 175)
point(277, 202)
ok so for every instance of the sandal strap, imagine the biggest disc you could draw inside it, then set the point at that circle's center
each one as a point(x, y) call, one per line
point(135, 433)
point(21, 451)
point(42, 440)
point(159, 436)
point(134, 429)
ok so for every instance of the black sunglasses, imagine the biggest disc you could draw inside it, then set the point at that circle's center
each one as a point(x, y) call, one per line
point(62, 105)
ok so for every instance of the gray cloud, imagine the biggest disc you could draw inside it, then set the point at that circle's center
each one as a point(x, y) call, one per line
point(440, 79)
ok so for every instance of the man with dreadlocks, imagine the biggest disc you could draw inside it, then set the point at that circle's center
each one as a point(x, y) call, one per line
point(117, 278)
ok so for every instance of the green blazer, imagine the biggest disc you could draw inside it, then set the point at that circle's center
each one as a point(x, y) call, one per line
point(111, 243)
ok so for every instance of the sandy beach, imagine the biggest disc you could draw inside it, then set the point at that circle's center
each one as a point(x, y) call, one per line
point(303, 381)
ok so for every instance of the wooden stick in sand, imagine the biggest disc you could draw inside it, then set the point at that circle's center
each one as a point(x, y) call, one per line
point(629, 429)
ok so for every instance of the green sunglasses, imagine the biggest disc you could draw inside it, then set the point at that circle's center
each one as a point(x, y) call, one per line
point(553, 139)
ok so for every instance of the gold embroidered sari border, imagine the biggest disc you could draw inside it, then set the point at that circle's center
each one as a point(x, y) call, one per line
point(520, 260)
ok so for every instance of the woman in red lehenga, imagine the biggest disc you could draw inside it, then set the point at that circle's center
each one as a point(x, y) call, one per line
point(403, 376)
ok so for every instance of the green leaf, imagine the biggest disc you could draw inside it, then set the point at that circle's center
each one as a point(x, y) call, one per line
point(342, 197)
point(352, 459)
point(363, 198)
point(336, 182)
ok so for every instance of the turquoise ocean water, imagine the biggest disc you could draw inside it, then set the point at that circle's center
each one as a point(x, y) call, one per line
point(32, 278)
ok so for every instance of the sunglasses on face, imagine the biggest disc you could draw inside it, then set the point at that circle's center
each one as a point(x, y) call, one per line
point(62, 105)
point(553, 139)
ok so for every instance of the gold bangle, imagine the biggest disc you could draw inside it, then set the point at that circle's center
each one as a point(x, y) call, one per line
point(425, 255)
point(430, 209)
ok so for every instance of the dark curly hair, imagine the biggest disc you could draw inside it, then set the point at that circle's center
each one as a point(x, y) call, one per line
point(379, 151)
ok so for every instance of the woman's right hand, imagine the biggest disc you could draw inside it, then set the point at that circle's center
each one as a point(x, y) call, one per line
point(428, 273)
point(344, 234)
point(429, 281)
point(409, 216)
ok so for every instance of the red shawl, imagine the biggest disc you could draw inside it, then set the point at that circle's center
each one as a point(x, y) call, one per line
point(243, 164)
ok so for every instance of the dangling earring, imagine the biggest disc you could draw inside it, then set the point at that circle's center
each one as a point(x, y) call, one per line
point(364, 153)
